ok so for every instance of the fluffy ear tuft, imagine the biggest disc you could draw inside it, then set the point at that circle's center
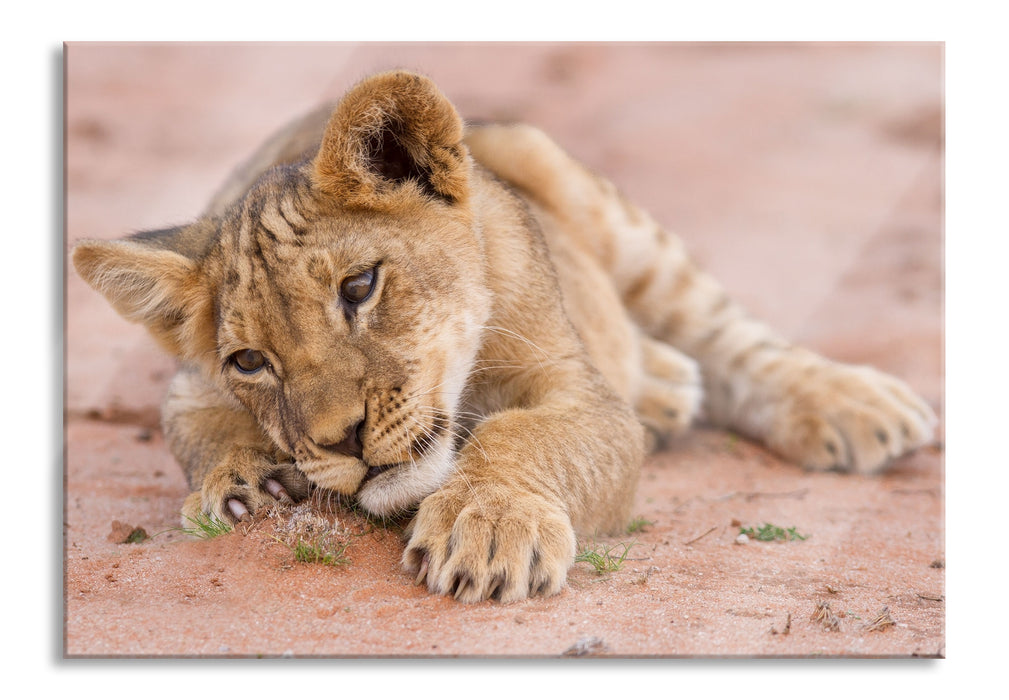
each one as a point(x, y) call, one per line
point(153, 286)
point(390, 130)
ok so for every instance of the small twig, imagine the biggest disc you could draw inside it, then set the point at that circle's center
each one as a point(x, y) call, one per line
point(934, 493)
point(940, 599)
point(752, 495)
point(700, 537)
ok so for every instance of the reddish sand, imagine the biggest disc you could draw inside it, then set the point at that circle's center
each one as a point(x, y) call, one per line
point(808, 178)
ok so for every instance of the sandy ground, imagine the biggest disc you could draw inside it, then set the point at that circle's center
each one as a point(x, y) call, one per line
point(809, 178)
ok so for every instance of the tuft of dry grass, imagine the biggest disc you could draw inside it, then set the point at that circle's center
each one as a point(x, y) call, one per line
point(882, 621)
point(826, 617)
point(312, 538)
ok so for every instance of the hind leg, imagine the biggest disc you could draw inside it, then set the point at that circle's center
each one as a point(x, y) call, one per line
point(669, 393)
point(815, 412)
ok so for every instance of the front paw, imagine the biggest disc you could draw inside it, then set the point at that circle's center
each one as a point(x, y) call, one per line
point(246, 482)
point(849, 418)
point(479, 543)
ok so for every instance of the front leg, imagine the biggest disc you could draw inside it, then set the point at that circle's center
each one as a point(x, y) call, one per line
point(503, 526)
point(230, 464)
point(484, 541)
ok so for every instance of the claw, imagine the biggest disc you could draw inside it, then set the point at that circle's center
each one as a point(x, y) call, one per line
point(496, 588)
point(422, 574)
point(238, 509)
point(460, 584)
point(277, 490)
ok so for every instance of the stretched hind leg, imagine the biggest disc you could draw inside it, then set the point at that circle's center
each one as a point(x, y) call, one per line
point(813, 411)
point(669, 391)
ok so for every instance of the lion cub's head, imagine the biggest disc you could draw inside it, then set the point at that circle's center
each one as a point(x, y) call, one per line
point(340, 301)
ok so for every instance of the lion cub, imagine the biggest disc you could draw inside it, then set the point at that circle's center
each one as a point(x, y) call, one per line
point(467, 322)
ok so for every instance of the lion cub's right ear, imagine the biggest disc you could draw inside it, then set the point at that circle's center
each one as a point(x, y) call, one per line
point(392, 134)
point(148, 282)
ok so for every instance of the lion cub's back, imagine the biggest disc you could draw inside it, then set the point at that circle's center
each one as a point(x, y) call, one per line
point(553, 186)
point(292, 143)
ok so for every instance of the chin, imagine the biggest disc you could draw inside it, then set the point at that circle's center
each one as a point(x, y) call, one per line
point(406, 485)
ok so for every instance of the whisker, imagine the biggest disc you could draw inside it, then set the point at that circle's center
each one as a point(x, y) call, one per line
point(508, 333)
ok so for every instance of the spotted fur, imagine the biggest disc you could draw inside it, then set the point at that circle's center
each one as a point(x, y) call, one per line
point(465, 322)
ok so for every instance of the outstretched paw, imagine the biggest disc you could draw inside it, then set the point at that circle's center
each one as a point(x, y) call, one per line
point(850, 418)
point(502, 546)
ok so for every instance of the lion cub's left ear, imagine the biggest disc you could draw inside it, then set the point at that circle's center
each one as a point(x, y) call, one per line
point(393, 130)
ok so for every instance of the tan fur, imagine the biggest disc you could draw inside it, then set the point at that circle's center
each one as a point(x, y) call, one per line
point(523, 322)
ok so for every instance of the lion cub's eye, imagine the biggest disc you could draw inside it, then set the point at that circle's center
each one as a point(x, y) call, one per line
point(356, 288)
point(248, 361)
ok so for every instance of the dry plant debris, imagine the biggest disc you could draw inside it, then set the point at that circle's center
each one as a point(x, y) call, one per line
point(826, 617)
point(311, 537)
point(881, 622)
point(588, 646)
point(643, 577)
point(787, 628)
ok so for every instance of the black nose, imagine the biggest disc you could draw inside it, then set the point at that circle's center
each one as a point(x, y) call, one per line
point(351, 443)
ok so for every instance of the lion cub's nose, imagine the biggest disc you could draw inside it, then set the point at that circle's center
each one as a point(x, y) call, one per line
point(351, 443)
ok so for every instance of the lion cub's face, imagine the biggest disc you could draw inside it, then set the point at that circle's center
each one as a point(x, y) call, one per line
point(340, 302)
point(349, 335)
